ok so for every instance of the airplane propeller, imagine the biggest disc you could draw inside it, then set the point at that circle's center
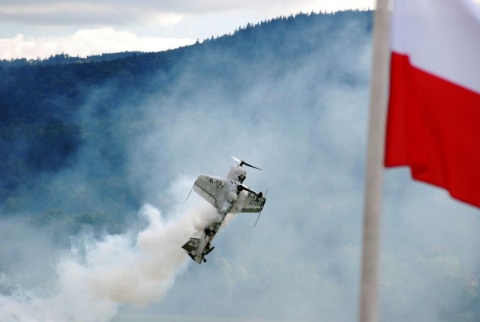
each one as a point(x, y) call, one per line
point(241, 187)
point(241, 162)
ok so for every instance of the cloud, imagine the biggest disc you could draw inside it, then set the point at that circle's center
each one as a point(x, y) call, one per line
point(87, 14)
point(84, 43)
point(335, 5)
point(108, 12)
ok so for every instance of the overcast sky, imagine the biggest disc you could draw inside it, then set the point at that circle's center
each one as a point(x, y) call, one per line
point(34, 29)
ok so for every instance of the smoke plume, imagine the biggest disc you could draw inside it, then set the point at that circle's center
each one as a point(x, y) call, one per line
point(95, 277)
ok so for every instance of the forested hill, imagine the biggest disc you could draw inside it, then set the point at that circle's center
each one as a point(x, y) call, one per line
point(66, 123)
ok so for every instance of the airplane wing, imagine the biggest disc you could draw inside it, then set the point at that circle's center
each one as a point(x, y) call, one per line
point(248, 201)
point(210, 188)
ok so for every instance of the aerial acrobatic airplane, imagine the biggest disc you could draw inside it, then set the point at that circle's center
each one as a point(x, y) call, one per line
point(228, 195)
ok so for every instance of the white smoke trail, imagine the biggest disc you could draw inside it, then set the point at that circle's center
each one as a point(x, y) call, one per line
point(96, 277)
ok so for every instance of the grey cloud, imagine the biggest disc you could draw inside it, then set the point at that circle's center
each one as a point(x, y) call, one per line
point(109, 12)
point(62, 14)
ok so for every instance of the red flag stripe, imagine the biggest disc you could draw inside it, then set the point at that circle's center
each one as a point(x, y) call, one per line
point(433, 126)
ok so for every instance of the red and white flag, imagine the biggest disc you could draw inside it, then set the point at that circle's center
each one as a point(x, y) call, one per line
point(433, 123)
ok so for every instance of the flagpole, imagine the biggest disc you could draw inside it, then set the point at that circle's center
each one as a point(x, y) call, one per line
point(374, 170)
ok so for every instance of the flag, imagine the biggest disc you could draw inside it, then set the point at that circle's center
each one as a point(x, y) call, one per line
point(433, 122)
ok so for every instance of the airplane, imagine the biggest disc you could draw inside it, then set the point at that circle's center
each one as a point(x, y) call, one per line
point(228, 195)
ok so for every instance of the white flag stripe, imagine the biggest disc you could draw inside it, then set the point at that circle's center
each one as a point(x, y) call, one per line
point(441, 37)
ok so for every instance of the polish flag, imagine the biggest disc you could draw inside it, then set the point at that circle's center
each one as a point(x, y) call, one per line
point(433, 123)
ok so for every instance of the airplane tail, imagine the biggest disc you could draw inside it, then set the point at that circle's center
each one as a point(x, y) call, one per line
point(194, 249)
point(191, 245)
